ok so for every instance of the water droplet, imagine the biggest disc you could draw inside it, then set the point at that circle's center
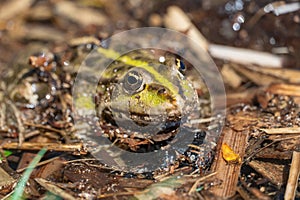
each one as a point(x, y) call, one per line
point(236, 26)
point(272, 41)
point(239, 5)
point(48, 96)
point(162, 59)
point(241, 19)
point(229, 7)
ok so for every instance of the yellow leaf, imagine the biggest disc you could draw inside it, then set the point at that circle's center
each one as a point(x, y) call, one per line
point(229, 155)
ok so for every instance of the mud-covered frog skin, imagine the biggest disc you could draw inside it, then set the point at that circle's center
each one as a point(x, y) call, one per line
point(146, 88)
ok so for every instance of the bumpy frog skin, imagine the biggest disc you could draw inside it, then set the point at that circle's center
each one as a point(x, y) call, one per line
point(137, 87)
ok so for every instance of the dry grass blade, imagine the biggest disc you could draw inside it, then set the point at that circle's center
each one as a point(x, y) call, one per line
point(196, 184)
point(54, 189)
point(18, 116)
point(293, 177)
point(165, 187)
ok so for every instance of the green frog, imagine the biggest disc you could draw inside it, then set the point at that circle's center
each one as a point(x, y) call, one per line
point(145, 96)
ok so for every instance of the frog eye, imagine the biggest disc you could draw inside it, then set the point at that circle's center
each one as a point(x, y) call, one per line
point(180, 64)
point(133, 82)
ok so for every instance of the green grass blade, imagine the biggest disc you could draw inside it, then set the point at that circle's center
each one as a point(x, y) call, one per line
point(6, 153)
point(18, 193)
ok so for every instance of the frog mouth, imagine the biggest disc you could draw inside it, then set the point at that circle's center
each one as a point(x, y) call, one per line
point(146, 119)
point(140, 121)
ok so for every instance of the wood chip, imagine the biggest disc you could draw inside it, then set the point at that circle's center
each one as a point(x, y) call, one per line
point(284, 89)
point(229, 173)
point(231, 77)
point(245, 97)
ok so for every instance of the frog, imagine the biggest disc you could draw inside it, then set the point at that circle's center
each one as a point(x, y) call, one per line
point(144, 94)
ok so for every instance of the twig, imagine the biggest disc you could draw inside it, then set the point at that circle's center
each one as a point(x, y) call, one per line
point(39, 164)
point(245, 56)
point(279, 9)
point(176, 19)
point(254, 191)
point(260, 13)
point(77, 147)
point(116, 194)
point(80, 160)
point(264, 147)
point(19, 121)
point(163, 176)
point(293, 177)
point(201, 121)
point(31, 134)
point(54, 189)
point(256, 152)
point(193, 188)
point(61, 132)
point(2, 114)
point(288, 130)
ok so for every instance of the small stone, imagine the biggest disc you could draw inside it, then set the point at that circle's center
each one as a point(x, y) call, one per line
point(155, 20)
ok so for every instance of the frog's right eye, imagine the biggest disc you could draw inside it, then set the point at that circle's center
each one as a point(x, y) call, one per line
point(133, 82)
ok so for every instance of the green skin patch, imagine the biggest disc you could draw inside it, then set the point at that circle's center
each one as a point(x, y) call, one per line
point(149, 99)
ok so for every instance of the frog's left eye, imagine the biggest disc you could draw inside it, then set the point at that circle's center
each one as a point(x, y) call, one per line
point(133, 82)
